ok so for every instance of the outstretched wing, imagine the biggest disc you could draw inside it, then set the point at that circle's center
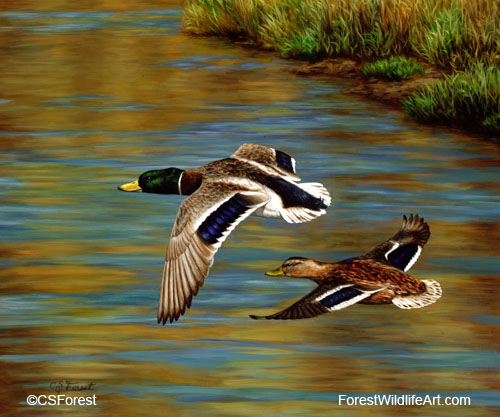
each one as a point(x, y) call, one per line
point(203, 222)
point(322, 300)
point(403, 249)
point(265, 156)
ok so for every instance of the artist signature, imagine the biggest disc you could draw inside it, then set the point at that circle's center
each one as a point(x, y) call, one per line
point(64, 386)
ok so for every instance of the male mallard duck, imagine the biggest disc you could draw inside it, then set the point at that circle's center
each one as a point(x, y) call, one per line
point(254, 180)
point(379, 277)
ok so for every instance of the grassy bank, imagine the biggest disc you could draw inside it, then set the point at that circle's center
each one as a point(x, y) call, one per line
point(451, 34)
point(395, 68)
point(465, 96)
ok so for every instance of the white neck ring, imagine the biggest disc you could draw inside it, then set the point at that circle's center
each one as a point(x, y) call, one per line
point(179, 183)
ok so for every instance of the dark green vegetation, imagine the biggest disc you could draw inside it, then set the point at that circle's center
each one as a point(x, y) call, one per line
point(451, 34)
point(470, 97)
point(395, 68)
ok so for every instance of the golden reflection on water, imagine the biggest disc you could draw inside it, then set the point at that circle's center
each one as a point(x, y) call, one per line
point(82, 268)
point(314, 373)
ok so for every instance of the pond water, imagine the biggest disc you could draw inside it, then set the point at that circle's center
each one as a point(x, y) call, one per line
point(94, 93)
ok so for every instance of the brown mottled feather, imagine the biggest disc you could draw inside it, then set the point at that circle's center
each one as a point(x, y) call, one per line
point(264, 156)
point(375, 279)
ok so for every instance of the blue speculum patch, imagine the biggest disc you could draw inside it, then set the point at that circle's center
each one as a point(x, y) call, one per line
point(401, 256)
point(340, 296)
point(219, 221)
point(284, 160)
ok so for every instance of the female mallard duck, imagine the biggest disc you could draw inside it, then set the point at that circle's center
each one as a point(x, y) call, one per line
point(379, 277)
point(254, 180)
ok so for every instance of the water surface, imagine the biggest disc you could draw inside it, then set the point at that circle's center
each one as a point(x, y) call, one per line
point(91, 95)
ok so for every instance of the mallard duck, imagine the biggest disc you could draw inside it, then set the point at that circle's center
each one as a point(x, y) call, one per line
point(254, 180)
point(379, 277)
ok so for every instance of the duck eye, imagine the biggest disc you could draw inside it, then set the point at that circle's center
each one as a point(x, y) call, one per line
point(288, 264)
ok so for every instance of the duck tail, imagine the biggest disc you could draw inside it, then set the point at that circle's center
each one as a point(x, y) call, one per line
point(300, 214)
point(315, 194)
point(432, 293)
point(317, 190)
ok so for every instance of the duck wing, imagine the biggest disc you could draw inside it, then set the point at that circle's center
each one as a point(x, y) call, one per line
point(324, 299)
point(203, 222)
point(403, 249)
point(264, 157)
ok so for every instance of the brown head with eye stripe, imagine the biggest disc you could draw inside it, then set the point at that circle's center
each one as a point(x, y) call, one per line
point(298, 267)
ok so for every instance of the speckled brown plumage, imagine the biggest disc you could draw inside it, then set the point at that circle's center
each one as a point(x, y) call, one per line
point(375, 278)
point(371, 274)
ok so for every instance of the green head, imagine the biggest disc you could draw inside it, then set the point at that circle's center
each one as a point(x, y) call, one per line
point(158, 181)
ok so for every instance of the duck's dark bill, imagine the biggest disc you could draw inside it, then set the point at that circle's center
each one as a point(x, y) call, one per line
point(131, 186)
point(276, 272)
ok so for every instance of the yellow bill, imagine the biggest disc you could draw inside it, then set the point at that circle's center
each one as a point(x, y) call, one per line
point(131, 186)
point(276, 272)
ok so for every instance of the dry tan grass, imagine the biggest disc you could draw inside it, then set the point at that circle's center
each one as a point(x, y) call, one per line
point(462, 35)
point(448, 33)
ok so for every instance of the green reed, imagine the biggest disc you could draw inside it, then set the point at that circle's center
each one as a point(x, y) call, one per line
point(466, 98)
point(448, 33)
point(452, 34)
point(395, 68)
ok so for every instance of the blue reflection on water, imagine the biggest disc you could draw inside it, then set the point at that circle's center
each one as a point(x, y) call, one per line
point(97, 213)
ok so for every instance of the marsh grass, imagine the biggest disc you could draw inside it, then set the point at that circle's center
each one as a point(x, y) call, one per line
point(447, 33)
point(396, 68)
point(452, 34)
point(466, 98)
